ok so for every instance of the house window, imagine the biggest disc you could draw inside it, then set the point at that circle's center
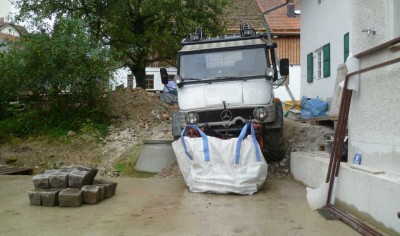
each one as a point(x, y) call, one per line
point(130, 81)
point(149, 81)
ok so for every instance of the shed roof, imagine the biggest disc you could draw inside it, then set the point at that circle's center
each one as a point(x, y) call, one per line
point(21, 30)
point(243, 11)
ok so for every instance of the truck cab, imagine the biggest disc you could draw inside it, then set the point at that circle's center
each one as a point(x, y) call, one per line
point(224, 82)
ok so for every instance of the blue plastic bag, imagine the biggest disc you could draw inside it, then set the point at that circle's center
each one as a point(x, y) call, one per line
point(312, 108)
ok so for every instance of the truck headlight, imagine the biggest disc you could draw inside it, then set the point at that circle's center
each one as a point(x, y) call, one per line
point(178, 80)
point(260, 113)
point(269, 72)
point(192, 118)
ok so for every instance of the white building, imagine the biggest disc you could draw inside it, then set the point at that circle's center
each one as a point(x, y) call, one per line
point(124, 77)
point(325, 37)
point(374, 119)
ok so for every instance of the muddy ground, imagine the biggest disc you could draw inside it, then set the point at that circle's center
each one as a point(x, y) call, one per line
point(137, 115)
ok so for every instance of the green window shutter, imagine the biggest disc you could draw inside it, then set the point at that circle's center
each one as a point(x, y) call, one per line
point(346, 46)
point(327, 60)
point(310, 68)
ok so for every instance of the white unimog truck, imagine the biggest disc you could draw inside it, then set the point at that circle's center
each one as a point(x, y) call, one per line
point(225, 81)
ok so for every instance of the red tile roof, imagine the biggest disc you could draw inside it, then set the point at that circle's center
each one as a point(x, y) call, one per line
point(7, 37)
point(278, 20)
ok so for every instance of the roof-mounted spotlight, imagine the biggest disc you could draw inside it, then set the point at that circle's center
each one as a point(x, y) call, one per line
point(196, 36)
point(246, 30)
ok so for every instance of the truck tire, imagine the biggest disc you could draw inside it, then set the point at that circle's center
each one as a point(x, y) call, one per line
point(273, 139)
point(176, 129)
point(273, 136)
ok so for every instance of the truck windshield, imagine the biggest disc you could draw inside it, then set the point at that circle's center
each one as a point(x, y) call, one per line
point(232, 63)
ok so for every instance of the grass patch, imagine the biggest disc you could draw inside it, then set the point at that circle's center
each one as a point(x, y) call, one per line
point(129, 167)
point(54, 124)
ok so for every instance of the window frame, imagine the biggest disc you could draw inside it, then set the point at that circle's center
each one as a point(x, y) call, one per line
point(149, 82)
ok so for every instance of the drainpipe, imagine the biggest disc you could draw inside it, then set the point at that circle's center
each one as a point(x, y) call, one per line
point(268, 31)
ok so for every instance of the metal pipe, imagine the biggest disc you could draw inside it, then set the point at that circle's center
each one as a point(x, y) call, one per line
point(378, 48)
point(294, 103)
point(350, 220)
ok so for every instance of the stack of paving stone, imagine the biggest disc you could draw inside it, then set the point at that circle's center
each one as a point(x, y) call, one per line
point(69, 187)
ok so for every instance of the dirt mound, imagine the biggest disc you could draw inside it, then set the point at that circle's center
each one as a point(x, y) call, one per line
point(137, 104)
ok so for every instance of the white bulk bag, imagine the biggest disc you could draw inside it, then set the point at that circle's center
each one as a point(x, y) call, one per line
point(210, 164)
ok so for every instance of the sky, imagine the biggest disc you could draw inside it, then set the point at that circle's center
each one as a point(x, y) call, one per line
point(5, 8)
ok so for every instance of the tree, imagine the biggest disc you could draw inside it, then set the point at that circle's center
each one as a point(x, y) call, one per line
point(66, 66)
point(138, 32)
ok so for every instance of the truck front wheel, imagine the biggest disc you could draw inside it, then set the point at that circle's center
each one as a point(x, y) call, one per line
point(273, 139)
point(273, 136)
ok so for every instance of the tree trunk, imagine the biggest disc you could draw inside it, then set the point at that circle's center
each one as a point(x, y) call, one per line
point(139, 72)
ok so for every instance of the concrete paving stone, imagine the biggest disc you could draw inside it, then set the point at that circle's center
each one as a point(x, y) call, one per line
point(35, 197)
point(93, 172)
point(90, 194)
point(78, 178)
point(58, 179)
point(65, 169)
point(102, 192)
point(41, 181)
point(70, 197)
point(50, 197)
point(48, 172)
point(110, 187)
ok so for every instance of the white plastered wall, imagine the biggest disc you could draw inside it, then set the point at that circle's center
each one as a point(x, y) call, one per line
point(323, 23)
point(120, 77)
point(374, 120)
point(294, 85)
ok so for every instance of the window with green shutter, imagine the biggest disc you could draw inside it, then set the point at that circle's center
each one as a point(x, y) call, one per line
point(327, 60)
point(310, 68)
point(346, 46)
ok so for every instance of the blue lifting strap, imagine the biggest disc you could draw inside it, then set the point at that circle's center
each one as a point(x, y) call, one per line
point(205, 142)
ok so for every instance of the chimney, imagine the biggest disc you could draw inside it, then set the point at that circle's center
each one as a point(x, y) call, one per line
point(1, 20)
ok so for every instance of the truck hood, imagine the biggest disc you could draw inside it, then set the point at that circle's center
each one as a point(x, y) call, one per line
point(234, 93)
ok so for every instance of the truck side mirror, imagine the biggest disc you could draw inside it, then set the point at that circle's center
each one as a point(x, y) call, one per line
point(164, 76)
point(284, 67)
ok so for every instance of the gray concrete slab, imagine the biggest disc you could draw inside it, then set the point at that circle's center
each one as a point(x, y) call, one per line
point(155, 156)
point(167, 207)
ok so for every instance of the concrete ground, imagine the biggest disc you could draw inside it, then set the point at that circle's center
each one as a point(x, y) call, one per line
point(166, 207)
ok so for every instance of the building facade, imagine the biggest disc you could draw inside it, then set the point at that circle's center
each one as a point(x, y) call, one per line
point(326, 36)
point(374, 118)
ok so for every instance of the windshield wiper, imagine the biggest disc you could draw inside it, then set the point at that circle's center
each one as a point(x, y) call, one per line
point(191, 79)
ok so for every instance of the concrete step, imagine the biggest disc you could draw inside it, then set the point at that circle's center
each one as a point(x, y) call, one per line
point(155, 156)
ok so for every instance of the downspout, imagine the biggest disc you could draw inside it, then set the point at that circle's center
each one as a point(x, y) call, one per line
point(268, 31)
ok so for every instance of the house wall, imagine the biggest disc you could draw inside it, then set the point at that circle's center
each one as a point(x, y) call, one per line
point(374, 119)
point(294, 85)
point(321, 24)
point(120, 77)
point(155, 71)
point(10, 30)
